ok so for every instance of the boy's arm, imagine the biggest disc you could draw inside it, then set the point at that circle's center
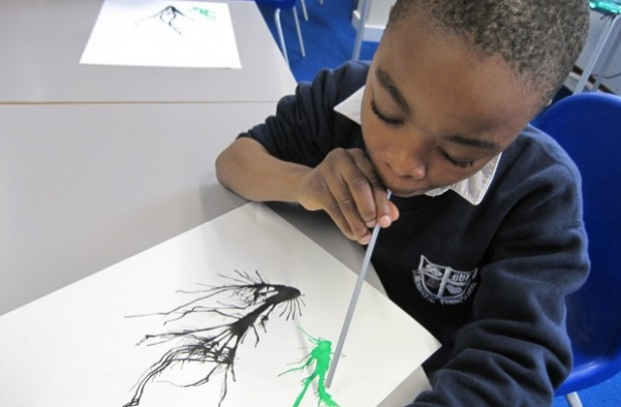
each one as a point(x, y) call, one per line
point(246, 168)
point(309, 155)
point(344, 185)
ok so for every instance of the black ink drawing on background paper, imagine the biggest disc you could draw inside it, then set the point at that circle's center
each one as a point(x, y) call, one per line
point(167, 15)
point(251, 301)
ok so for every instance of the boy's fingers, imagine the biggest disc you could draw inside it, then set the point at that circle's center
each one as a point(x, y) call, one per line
point(362, 182)
point(347, 189)
point(354, 230)
point(381, 210)
point(361, 192)
point(324, 188)
point(346, 186)
point(344, 210)
point(394, 211)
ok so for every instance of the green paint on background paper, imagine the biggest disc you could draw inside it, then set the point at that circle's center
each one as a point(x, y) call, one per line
point(206, 13)
point(320, 356)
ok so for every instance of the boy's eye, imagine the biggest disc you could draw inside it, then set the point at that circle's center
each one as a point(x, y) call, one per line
point(457, 163)
point(382, 117)
point(398, 122)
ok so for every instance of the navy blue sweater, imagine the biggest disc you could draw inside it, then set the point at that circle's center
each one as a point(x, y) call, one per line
point(488, 281)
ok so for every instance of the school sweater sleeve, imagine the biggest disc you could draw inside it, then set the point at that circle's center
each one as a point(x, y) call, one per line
point(305, 127)
point(515, 351)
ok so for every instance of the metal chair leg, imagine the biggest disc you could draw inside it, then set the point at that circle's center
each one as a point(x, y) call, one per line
point(364, 14)
point(595, 54)
point(304, 12)
point(280, 35)
point(297, 27)
point(606, 64)
point(573, 400)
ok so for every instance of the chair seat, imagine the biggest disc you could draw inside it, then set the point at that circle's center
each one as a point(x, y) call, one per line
point(590, 370)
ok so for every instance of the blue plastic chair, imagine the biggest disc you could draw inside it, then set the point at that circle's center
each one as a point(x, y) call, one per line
point(588, 126)
point(278, 5)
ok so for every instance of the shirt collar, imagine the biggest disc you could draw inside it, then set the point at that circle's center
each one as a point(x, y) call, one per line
point(472, 189)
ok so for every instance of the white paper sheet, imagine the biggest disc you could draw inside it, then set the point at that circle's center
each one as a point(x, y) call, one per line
point(193, 34)
point(80, 346)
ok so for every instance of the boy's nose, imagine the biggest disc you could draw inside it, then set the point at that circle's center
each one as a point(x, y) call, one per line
point(408, 163)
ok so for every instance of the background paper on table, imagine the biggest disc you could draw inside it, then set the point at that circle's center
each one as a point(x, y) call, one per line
point(192, 34)
point(80, 345)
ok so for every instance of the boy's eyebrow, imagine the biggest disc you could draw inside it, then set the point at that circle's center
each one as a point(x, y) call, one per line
point(473, 142)
point(386, 82)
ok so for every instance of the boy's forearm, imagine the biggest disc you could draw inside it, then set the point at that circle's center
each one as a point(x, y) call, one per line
point(247, 169)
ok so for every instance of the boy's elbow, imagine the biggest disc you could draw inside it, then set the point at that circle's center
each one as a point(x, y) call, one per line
point(233, 161)
point(223, 166)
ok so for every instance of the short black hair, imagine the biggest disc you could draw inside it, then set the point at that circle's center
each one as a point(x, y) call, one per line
point(539, 39)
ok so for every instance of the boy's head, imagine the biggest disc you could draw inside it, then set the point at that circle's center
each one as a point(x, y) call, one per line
point(539, 39)
point(453, 83)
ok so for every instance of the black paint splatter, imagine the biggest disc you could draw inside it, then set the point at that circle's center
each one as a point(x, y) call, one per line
point(167, 16)
point(252, 301)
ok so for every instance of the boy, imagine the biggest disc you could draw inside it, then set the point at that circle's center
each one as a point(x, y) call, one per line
point(483, 235)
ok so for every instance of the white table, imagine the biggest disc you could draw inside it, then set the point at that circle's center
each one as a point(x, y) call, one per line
point(85, 186)
point(96, 163)
point(41, 42)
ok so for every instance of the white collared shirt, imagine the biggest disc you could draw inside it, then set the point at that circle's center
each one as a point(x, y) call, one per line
point(472, 189)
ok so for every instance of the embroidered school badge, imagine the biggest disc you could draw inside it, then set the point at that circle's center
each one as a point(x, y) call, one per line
point(442, 283)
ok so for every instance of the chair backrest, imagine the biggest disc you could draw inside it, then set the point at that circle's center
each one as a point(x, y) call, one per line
point(588, 126)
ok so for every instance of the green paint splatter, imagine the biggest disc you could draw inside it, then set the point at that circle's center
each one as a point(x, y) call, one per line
point(206, 13)
point(320, 356)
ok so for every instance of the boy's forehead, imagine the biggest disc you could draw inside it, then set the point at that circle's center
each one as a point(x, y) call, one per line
point(440, 76)
point(419, 27)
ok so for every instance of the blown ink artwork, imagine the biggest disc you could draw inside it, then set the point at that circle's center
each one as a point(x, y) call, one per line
point(167, 16)
point(251, 301)
point(159, 33)
point(177, 325)
point(320, 357)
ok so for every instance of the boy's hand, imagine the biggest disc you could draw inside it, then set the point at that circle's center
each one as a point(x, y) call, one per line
point(346, 186)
